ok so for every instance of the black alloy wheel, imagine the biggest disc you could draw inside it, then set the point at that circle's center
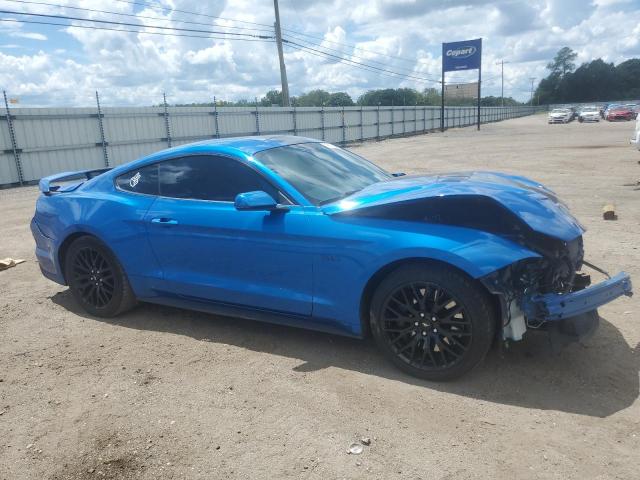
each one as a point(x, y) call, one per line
point(432, 321)
point(426, 326)
point(96, 278)
point(93, 277)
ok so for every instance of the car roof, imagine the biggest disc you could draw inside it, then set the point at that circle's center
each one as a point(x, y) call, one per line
point(234, 146)
point(246, 145)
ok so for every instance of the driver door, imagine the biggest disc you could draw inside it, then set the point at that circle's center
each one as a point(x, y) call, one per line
point(210, 251)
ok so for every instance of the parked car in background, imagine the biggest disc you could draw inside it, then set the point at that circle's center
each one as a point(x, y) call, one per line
point(620, 113)
point(560, 115)
point(635, 108)
point(589, 114)
point(608, 107)
point(300, 232)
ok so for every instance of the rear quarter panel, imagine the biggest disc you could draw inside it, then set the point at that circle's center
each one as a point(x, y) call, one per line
point(114, 217)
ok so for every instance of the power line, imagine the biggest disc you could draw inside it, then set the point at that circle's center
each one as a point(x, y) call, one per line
point(169, 9)
point(187, 22)
point(413, 77)
point(133, 15)
point(367, 60)
point(127, 24)
point(355, 64)
point(93, 27)
point(296, 33)
point(288, 30)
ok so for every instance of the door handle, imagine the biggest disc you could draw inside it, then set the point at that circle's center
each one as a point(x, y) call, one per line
point(164, 221)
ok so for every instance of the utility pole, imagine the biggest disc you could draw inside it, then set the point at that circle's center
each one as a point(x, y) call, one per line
point(531, 99)
point(283, 69)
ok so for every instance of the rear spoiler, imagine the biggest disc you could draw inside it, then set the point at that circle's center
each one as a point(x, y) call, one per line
point(47, 188)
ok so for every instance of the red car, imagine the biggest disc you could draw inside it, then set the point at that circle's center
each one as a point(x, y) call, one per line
point(620, 113)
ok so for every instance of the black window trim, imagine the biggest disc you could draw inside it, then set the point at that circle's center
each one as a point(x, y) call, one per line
point(230, 157)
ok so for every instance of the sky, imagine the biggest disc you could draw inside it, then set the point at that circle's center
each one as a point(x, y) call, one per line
point(63, 65)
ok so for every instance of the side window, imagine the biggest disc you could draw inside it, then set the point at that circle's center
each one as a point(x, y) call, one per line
point(143, 180)
point(209, 178)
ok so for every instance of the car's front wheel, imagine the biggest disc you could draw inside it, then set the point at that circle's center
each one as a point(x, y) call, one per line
point(96, 278)
point(432, 321)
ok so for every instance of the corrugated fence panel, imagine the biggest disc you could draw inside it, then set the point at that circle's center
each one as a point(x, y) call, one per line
point(237, 121)
point(123, 125)
point(119, 154)
point(278, 122)
point(8, 170)
point(385, 120)
point(370, 118)
point(52, 140)
point(57, 140)
point(191, 124)
point(353, 123)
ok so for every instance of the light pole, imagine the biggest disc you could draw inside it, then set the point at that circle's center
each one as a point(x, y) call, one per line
point(531, 99)
point(501, 63)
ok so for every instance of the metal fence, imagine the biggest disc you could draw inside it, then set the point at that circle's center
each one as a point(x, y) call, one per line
point(36, 142)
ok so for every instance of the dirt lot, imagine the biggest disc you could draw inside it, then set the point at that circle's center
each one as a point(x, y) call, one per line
point(166, 393)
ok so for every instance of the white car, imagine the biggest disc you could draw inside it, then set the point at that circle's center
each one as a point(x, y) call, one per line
point(560, 115)
point(589, 114)
point(636, 135)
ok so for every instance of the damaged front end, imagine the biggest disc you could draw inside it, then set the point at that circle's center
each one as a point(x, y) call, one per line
point(552, 294)
point(547, 291)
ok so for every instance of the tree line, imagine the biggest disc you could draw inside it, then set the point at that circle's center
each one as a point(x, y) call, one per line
point(590, 82)
point(371, 98)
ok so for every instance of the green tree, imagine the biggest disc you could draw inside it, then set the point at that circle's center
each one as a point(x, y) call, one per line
point(590, 82)
point(563, 62)
point(272, 97)
point(340, 99)
point(391, 96)
point(314, 98)
point(628, 75)
point(430, 96)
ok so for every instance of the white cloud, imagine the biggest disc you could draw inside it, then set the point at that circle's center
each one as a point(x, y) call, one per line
point(30, 35)
point(400, 36)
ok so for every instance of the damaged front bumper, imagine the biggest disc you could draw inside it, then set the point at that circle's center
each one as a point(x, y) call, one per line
point(567, 317)
point(553, 307)
point(573, 316)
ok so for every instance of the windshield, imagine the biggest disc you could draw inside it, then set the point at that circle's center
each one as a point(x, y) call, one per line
point(559, 110)
point(322, 172)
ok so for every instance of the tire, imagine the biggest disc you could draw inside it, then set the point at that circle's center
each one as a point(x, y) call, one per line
point(415, 305)
point(96, 278)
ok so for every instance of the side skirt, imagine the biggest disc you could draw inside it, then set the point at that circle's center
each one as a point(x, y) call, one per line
point(231, 310)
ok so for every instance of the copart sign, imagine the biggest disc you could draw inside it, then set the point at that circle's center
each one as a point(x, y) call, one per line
point(464, 55)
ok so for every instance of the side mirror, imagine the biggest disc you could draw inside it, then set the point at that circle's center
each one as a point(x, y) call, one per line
point(258, 200)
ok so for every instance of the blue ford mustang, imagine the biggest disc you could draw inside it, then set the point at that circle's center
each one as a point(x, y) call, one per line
point(300, 232)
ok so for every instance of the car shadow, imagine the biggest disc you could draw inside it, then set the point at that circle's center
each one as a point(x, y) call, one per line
point(598, 378)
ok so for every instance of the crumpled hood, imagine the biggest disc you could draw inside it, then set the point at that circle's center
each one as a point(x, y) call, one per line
point(535, 204)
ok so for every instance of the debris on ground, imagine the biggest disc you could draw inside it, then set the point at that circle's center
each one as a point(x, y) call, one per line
point(9, 262)
point(365, 441)
point(609, 212)
point(355, 449)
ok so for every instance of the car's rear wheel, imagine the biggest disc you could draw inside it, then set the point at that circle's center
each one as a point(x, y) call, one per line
point(96, 278)
point(432, 321)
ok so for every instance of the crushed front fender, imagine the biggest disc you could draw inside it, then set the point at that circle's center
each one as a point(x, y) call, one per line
point(555, 307)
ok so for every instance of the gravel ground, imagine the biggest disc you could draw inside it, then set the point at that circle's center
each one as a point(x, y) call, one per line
point(166, 393)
